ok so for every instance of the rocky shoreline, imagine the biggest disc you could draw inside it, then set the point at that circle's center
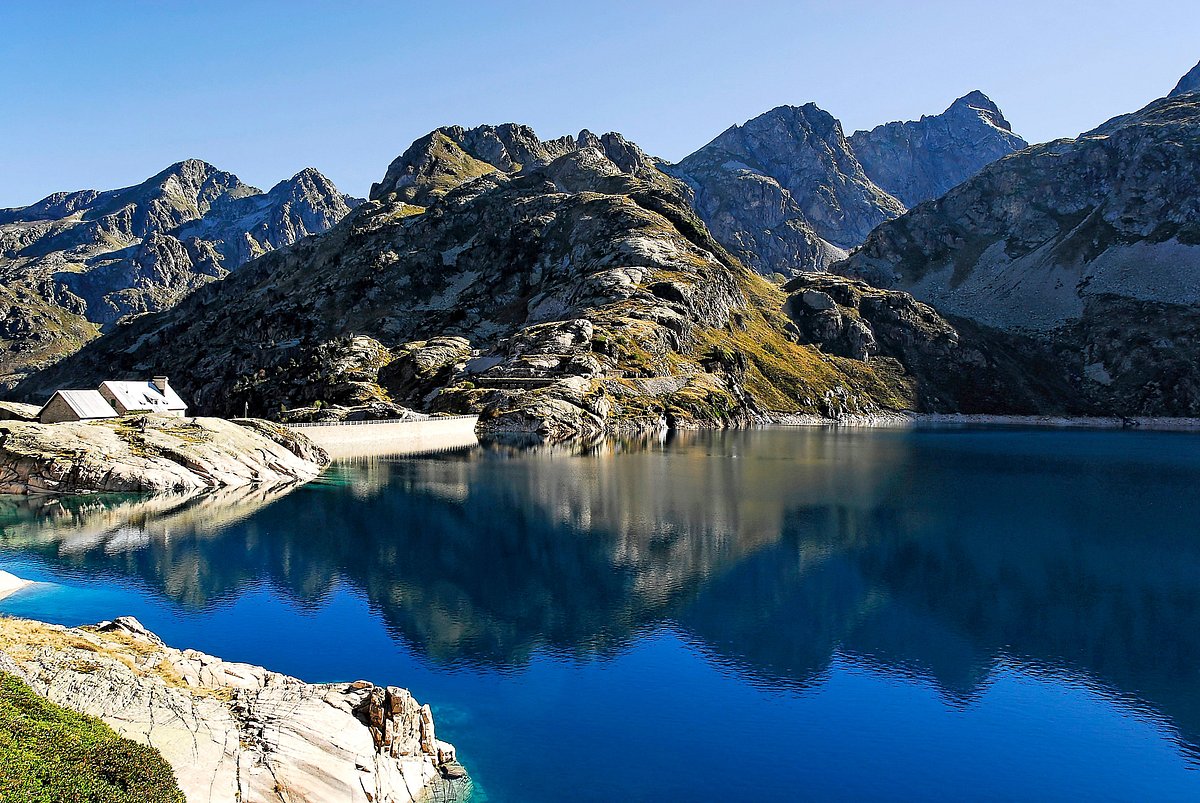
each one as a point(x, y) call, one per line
point(153, 453)
point(233, 731)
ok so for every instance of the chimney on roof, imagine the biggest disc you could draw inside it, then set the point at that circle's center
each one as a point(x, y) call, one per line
point(160, 382)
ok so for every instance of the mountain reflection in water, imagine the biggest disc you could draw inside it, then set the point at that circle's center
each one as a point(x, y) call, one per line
point(934, 554)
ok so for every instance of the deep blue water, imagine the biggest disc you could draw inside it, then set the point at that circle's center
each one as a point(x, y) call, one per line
point(760, 616)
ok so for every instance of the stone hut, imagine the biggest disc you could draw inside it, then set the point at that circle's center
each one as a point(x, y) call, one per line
point(75, 405)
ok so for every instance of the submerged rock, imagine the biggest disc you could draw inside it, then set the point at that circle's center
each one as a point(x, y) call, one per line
point(233, 731)
point(152, 453)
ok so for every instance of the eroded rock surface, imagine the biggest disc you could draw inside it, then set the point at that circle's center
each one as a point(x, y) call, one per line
point(237, 732)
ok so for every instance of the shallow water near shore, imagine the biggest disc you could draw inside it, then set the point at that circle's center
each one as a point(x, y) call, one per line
point(772, 614)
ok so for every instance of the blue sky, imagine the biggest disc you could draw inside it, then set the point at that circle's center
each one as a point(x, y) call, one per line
point(105, 94)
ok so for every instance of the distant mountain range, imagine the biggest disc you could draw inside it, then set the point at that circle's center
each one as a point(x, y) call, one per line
point(76, 263)
point(577, 285)
point(566, 287)
point(788, 192)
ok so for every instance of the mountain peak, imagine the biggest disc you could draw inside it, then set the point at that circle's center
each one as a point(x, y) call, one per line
point(1188, 83)
point(310, 178)
point(976, 99)
point(187, 169)
point(980, 105)
point(452, 155)
point(921, 159)
point(784, 192)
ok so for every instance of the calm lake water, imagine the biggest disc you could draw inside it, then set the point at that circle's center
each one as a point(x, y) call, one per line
point(770, 615)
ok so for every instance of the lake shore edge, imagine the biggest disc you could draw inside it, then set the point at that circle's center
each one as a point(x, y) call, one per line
point(904, 420)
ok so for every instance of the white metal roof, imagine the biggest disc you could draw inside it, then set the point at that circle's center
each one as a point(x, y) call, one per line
point(86, 403)
point(144, 396)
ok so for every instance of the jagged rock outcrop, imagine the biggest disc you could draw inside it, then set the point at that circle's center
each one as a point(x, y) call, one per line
point(784, 192)
point(73, 264)
point(152, 452)
point(1091, 244)
point(567, 297)
point(922, 159)
point(236, 732)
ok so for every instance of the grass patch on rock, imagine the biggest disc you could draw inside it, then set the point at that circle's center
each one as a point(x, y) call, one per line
point(51, 755)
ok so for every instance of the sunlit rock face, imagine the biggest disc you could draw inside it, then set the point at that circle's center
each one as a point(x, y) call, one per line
point(76, 263)
point(233, 731)
point(152, 453)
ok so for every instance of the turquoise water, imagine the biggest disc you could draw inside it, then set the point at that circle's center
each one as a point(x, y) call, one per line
point(760, 616)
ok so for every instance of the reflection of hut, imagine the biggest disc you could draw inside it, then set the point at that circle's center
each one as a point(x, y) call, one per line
point(155, 396)
point(75, 405)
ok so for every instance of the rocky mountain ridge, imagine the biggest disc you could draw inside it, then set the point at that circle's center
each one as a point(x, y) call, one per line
point(75, 263)
point(1091, 244)
point(784, 192)
point(1188, 83)
point(567, 297)
point(787, 192)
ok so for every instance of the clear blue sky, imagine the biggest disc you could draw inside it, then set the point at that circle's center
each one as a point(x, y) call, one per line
point(104, 94)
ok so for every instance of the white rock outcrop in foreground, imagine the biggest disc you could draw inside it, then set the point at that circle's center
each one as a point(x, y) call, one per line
point(236, 732)
point(156, 453)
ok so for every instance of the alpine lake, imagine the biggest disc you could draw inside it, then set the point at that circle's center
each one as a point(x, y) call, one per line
point(761, 615)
